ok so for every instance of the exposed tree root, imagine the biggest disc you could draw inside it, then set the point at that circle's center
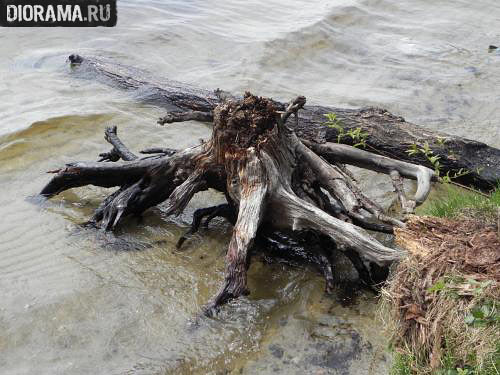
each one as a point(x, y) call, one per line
point(119, 149)
point(223, 210)
point(272, 181)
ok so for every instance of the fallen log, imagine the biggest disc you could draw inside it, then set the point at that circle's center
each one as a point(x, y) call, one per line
point(386, 134)
point(272, 181)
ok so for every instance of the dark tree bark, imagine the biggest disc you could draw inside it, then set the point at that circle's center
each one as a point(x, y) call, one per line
point(388, 135)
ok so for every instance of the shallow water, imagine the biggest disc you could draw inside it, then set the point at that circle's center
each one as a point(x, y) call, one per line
point(77, 301)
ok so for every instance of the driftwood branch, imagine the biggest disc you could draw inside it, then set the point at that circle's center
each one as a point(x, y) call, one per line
point(159, 151)
point(111, 135)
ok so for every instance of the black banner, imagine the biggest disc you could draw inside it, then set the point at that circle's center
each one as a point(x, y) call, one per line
point(51, 13)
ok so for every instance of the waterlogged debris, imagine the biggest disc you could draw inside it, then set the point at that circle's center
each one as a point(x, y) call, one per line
point(74, 59)
point(248, 128)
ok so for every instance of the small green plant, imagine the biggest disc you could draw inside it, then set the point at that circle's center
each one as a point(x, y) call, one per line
point(441, 141)
point(402, 364)
point(334, 122)
point(483, 314)
point(447, 177)
point(450, 365)
point(455, 371)
point(357, 135)
point(457, 287)
point(428, 153)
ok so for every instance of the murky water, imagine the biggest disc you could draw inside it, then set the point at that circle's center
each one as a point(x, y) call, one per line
point(77, 301)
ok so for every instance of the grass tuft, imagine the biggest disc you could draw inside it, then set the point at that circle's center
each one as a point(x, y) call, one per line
point(453, 202)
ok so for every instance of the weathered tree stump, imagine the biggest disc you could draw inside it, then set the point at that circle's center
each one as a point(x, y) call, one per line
point(272, 181)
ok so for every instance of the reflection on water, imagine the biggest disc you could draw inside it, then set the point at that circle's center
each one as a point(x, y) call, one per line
point(80, 301)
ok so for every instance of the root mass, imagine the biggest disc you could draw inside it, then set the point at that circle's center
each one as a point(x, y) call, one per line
point(272, 181)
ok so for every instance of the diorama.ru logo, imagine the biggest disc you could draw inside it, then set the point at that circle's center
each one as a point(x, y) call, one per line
point(69, 13)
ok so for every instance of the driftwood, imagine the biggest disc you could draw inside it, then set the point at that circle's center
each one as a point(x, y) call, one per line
point(272, 181)
point(273, 163)
point(387, 134)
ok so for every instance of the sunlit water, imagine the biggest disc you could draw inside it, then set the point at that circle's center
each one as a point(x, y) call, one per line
point(77, 301)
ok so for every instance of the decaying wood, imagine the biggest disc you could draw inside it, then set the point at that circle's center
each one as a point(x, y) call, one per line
point(186, 116)
point(407, 205)
point(388, 135)
point(272, 180)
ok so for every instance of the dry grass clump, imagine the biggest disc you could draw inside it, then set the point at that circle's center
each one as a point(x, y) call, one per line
point(444, 298)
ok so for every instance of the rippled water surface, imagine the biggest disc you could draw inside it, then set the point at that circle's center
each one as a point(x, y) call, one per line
point(78, 301)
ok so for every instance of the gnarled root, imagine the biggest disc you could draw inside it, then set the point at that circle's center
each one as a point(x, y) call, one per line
point(143, 183)
point(294, 213)
point(253, 188)
point(222, 210)
point(339, 153)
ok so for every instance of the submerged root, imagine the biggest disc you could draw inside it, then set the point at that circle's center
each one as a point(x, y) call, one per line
point(222, 210)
